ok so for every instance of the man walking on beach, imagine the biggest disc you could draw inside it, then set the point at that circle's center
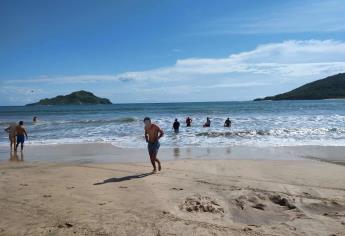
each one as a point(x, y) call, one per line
point(152, 135)
point(20, 132)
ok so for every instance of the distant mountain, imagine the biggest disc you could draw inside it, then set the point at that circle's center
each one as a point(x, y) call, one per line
point(331, 87)
point(75, 98)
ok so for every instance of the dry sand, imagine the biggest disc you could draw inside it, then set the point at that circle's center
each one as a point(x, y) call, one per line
point(189, 197)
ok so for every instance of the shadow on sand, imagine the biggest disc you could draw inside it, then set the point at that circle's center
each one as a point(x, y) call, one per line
point(125, 178)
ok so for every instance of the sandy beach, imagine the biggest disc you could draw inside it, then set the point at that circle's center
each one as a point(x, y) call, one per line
point(190, 196)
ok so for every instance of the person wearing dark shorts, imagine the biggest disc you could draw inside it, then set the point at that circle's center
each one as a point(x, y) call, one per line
point(153, 147)
point(152, 135)
point(21, 134)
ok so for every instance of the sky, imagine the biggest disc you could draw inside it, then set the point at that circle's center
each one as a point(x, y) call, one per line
point(134, 51)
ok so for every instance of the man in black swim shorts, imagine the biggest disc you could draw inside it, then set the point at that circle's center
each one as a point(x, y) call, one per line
point(152, 135)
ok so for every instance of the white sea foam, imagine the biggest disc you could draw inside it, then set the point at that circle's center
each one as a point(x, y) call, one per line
point(257, 124)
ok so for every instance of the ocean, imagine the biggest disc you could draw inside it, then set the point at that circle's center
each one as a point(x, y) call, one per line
point(267, 123)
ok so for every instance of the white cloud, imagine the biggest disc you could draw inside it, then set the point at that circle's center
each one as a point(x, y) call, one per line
point(285, 59)
point(273, 67)
point(288, 59)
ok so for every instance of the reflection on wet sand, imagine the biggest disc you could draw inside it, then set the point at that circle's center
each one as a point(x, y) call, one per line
point(189, 150)
point(177, 152)
point(15, 157)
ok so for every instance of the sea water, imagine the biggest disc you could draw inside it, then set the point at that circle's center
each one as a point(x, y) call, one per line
point(266, 123)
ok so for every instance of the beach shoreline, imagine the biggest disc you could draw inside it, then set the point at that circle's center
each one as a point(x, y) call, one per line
point(108, 153)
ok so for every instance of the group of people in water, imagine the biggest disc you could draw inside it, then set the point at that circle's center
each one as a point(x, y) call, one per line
point(176, 124)
point(17, 135)
point(153, 133)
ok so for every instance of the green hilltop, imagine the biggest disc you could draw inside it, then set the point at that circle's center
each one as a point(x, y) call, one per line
point(76, 98)
point(332, 87)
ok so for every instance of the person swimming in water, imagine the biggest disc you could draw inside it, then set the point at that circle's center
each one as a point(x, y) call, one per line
point(21, 135)
point(176, 126)
point(227, 122)
point(152, 135)
point(207, 123)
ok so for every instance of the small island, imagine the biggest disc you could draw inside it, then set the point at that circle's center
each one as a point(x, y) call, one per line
point(332, 87)
point(76, 98)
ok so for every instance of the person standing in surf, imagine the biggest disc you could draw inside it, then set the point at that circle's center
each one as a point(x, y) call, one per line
point(207, 123)
point(189, 121)
point(227, 123)
point(176, 126)
point(152, 135)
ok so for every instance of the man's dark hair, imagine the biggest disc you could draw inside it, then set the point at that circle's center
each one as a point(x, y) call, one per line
point(147, 118)
point(21, 122)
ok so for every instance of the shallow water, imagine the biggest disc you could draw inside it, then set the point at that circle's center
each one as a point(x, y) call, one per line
point(283, 123)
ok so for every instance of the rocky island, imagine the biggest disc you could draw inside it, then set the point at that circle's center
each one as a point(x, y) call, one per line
point(76, 98)
point(332, 87)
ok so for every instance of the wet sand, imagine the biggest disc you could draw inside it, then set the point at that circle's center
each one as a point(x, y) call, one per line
point(107, 153)
point(193, 195)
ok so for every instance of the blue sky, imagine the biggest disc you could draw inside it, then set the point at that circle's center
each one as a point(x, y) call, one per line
point(167, 51)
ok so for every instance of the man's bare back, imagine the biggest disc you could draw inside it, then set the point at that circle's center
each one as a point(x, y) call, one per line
point(20, 130)
point(21, 134)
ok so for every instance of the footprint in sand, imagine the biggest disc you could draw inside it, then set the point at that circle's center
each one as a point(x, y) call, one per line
point(326, 208)
point(47, 195)
point(65, 225)
point(282, 201)
point(177, 189)
point(252, 207)
point(123, 187)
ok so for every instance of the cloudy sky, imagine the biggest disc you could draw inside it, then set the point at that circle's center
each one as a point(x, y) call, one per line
point(167, 51)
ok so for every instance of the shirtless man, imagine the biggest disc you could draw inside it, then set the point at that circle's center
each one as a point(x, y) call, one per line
point(152, 135)
point(20, 132)
point(189, 121)
point(11, 130)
